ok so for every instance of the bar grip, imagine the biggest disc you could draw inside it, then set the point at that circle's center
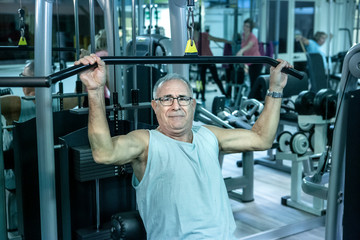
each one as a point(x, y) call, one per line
point(290, 71)
point(68, 72)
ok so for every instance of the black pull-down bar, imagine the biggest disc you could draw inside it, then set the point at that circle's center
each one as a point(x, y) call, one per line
point(68, 72)
point(173, 60)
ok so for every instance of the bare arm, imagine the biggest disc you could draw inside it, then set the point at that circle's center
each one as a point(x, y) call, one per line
point(262, 134)
point(10, 108)
point(302, 39)
point(106, 149)
point(244, 49)
point(216, 39)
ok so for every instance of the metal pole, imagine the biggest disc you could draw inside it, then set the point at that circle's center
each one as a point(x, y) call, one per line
point(150, 54)
point(44, 122)
point(133, 7)
point(236, 26)
point(92, 26)
point(177, 11)
point(358, 22)
point(113, 42)
point(123, 27)
point(3, 231)
point(134, 80)
point(328, 52)
point(277, 29)
point(76, 19)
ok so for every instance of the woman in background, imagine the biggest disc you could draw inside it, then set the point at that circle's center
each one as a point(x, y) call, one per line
point(250, 47)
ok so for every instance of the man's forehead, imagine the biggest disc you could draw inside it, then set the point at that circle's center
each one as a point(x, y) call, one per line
point(173, 84)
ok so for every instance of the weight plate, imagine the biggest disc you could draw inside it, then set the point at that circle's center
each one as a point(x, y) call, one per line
point(299, 143)
point(304, 103)
point(331, 102)
point(325, 103)
point(284, 141)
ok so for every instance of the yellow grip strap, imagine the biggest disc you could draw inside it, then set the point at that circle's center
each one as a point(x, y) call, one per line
point(22, 41)
point(191, 48)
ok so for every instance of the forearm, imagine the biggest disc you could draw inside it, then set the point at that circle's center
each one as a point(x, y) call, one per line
point(98, 129)
point(304, 40)
point(244, 49)
point(216, 39)
point(267, 124)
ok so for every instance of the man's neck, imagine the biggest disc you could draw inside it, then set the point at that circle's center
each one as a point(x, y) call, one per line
point(183, 136)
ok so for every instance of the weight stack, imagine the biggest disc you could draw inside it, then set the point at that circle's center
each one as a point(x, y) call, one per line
point(86, 169)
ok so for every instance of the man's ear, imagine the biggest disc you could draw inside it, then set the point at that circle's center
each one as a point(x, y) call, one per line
point(153, 104)
point(193, 102)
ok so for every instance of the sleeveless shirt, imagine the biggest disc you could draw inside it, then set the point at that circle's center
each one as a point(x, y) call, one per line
point(182, 194)
point(28, 109)
point(205, 45)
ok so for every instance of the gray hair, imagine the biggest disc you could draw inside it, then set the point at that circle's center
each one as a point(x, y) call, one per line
point(29, 64)
point(168, 77)
point(318, 35)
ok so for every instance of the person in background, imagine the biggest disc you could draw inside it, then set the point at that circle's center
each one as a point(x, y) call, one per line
point(100, 51)
point(250, 47)
point(202, 40)
point(15, 108)
point(180, 190)
point(314, 45)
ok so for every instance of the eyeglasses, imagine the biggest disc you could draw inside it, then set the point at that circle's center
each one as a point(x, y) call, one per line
point(168, 101)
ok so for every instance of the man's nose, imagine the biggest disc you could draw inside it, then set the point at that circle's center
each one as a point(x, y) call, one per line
point(176, 104)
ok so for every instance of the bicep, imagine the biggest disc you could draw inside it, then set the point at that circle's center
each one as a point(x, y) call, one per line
point(130, 147)
point(236, 140)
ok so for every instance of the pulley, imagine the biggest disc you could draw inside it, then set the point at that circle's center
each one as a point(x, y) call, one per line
point(305, 126)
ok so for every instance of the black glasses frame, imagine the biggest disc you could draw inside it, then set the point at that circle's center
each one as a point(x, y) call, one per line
point(181, 98)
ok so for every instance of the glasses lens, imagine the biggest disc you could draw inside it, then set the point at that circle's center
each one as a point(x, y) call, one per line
point(166, 101)
point(184, 101)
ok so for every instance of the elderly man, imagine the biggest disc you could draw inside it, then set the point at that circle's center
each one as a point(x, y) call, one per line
point(180, 190)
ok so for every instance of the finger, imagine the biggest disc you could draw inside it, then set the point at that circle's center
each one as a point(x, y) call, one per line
point(281, 65)
point(88, 60)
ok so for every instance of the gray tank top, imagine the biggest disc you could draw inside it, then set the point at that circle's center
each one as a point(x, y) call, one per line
point(182, 194)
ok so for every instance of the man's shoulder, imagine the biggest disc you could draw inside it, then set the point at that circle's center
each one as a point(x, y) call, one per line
point(312, 44)
point(209, 130)
point(140, 133)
